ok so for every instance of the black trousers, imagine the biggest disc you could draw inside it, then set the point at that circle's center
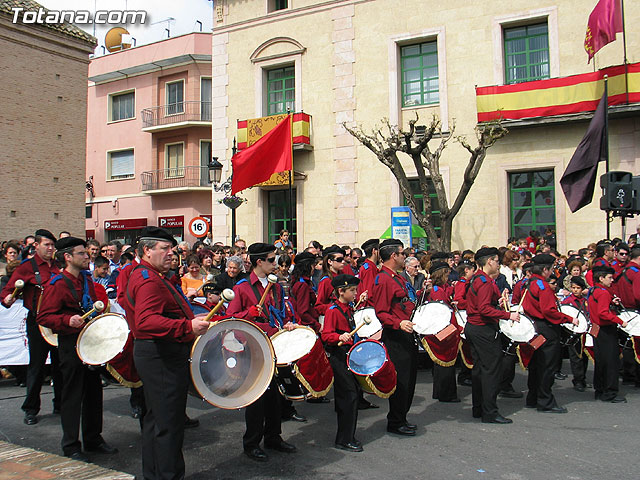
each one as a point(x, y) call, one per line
point(81, 399)
point(607, 351)
point(507, 367)
point(445, 388)
point(630, 368)
point(164, 370)
point(486, 351)
point(346, 393)
point(286, 408)
point(578, 365)
point(403, 353)
point(543, 366)
point(38, 351)
point(263, 419)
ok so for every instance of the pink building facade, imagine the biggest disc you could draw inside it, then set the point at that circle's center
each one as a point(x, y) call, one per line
point(149, 138)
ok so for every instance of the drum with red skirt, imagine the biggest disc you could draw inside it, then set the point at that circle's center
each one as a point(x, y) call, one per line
point(369, 361)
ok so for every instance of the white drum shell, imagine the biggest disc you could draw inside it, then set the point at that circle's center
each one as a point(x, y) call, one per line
point(431, 318)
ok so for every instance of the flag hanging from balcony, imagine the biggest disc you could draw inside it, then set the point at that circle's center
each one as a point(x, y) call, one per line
point(271, 154)
point(604, 22)
point(579, 179)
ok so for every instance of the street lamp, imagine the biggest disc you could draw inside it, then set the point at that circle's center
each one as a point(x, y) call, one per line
point(215, 175)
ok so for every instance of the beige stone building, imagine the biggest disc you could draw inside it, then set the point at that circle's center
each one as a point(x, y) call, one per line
point(359, 61)
point(43, 70)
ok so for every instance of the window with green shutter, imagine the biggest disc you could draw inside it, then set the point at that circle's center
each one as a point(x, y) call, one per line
point(281, 91)
point(526, 51)
point(278, 211)
point(419, 69)
point(532, 202)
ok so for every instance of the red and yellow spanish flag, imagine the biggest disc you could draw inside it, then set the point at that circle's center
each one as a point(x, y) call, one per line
point(604, 22)
point(271, 154)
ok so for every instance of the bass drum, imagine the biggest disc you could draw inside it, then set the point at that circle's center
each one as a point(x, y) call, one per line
point(232, 364)
point(102, 339)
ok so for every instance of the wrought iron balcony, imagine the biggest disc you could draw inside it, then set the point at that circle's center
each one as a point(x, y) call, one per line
point(170, 180)
point(176, 115)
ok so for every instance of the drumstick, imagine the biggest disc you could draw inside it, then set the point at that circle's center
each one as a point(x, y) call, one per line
point(505, 299)
point(271, 279)
point(226, 296)
point(19, 285)
point(97, 307)
point(522, 300)
point(367, 321)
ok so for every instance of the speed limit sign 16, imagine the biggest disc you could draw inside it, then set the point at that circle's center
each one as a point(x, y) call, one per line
point(199, 227)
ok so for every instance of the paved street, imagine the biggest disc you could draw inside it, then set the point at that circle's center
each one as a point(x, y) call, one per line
point(594, 440)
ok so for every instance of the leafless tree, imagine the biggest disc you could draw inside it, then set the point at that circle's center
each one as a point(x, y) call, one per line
point(389, 140)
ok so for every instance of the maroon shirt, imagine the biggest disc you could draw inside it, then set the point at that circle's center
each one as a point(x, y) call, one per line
point(599, 307)
point(541, 303)
point(245, 298)
point(24, 272)
point(627, 287)
point(389, 291)
point(59, 305)
point(482, 301)
point(460, 293)
point(335, 323)
point(121, 282)
point(304, 300)
point(325, 294)
point(367, 275)
point(156, 314)
point(578, 302)
point(441, 293)
point(517, 291)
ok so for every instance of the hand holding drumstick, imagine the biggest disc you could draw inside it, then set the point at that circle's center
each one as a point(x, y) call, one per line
point(346, 337)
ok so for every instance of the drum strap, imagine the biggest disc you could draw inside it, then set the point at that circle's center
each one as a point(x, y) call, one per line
point(85, 304)
point(275, 314)
point(350, 320)
point(403, 287)
point(36, 274)
point(174, 293)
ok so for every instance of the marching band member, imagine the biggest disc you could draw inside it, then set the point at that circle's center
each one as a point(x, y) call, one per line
point(332, 264)
point(302, 295)
point(465, 269)
point(164, 328)
point(482, 332)
point(68, 296)
point(577, 359)
point(263, 417)
point(338, 322)
point(605, 343)
point(369, 269)
point(394, 309)
point(540, 305)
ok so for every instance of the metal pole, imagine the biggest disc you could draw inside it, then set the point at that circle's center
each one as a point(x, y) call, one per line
point(234, 150)
point(624, 46)
point(624, 227)
point(606, 140)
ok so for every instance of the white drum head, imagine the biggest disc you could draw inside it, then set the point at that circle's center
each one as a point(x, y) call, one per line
point(522, 331)
point(632, 317)
point(372, 327)
point(583, 323)
point(431, 318)
point(290, 346)
point(102, 339)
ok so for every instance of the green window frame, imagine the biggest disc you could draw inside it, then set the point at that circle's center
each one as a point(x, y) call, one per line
point(526, 53)
point(414, 185)
point(281, 4)
point(281, 90)
point(278, 215)
point(419, 70)
point(532, 204)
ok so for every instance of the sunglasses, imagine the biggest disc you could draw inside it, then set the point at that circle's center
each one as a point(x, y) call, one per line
point(270, 259)
point(338, 259)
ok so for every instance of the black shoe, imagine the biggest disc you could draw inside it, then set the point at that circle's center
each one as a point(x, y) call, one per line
point(412, 426)
point(497, 419)
point(104, 447)
point(30, 419)
point(366, 405)
point(618, 399)
point(296, 417)
point(511, 394)
point(256, 454)
point(78, 457)
point(136, 412)
point(318, 400)
point(560, 376)
point(191, 422)
point(349, 447)
point(466, 382)
point(579, 387)
point(476, 413)
point(402, 430)
point(281, 446)
point(452, 400)
point(555, 409)
point(356, 442)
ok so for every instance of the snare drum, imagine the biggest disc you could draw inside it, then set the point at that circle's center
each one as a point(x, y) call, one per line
point(583, 324)
point(431, 318)
point(632, 317)
point(369, 361)
point(523, 331)
point(302, 366)
point(102, 339)
point(371, 328)
point(232, 364)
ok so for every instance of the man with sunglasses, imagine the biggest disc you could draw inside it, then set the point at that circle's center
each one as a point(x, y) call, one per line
point(621, 259)
point(263, 417)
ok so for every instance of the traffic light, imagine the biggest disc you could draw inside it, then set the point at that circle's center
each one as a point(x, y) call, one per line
point(617, 192)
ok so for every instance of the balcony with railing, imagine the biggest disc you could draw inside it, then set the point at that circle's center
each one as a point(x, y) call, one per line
point(175, 180)
point(176, 115)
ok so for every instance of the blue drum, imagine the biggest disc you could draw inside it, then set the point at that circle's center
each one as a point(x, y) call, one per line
point(369, 362)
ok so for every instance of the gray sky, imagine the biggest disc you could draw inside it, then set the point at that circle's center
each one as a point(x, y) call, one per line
point(185, 13)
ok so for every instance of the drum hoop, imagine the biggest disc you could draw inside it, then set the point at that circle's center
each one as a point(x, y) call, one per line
point(194, 348)
point(86, 328)
point(369, 340)
point(525, 317)
point(48, 335)
point(282, 332)
point(569, 326)
point(420, 308)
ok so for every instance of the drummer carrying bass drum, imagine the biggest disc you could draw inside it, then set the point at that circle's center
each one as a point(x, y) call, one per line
point(482, 332)
point(68, 296)
point(338, 322)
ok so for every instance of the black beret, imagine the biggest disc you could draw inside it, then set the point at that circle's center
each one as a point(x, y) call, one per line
point(343, 280)
point(435, 266)
point(69, 242)
point(212, 287)
point(466, 263)
point(304, 257)
point(391, 242)
point(157, 233)
point(543, 259)
point(439, 256)
point(622, 246)
point(579, 281)
point(601, 270)
point(260, 249)
point(41, 232)
point(372, 242)
point(333, 249)
point(486, 252)
point(527, 266)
